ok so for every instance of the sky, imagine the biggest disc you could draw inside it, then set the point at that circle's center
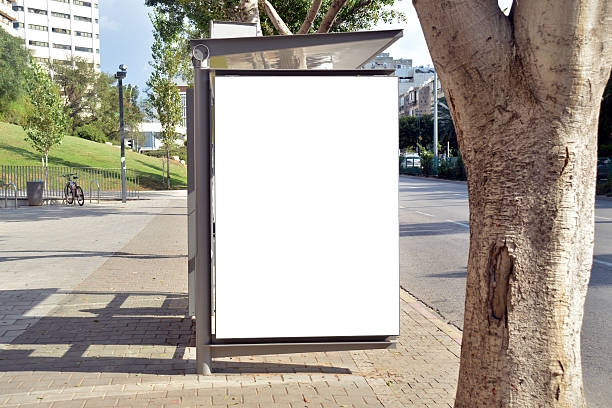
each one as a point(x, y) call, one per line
point(126, 37)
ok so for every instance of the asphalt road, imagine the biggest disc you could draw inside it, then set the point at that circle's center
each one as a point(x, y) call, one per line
point(434, 242)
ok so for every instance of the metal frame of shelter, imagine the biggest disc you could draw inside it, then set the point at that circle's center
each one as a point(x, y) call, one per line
point(267, 56)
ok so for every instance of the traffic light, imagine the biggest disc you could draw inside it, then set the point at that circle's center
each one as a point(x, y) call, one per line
point(130, 143)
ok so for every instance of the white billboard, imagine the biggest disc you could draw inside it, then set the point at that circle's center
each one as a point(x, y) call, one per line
point(306, 206)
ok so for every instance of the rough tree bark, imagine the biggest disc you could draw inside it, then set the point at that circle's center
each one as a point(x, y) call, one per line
point(248, 12)
point(312, 14)
point(168, 166)
point(277, 21)
point(330, 16)
point(524, 91)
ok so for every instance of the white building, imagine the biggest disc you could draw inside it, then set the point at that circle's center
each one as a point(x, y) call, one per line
point(402, 67)
point(55, 29)
point(149, 137)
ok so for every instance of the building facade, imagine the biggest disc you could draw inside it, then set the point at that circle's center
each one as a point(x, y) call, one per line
point(402, 67)
point(418, 100)
point(55, 29)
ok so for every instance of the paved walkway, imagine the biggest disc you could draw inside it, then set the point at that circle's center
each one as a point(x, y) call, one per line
point(92, 313)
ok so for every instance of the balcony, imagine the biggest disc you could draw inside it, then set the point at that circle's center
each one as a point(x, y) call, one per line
point(6, 10)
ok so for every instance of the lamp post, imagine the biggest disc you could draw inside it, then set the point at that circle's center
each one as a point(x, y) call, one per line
point(122, 73)
point(435, 141)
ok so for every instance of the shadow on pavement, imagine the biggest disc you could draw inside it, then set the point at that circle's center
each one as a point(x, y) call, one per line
point(117, 332)
point(431, 228)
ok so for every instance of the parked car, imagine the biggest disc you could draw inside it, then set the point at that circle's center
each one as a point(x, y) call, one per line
point(603, 171)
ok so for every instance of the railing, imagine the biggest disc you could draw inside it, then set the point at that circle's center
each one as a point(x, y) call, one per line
point(6, 194)
point(91, 190)
point(107, 180)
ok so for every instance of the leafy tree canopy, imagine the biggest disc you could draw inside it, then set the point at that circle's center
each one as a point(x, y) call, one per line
point(47, 120)
point(14, 60)
point(355, 15)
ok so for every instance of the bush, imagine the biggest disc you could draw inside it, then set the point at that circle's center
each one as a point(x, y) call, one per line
point(427, 163)
point(181, 152)
point(90, 132)
point(458, 170)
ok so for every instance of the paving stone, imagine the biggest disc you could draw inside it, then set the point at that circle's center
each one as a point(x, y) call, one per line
point(115, 332)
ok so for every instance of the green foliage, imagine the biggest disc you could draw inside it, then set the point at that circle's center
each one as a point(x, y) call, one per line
point(77, 152)
point(46, 120)
point(180, 151)
point(163, 95)
point(76, 79)
point(91, 132)
point(355, 15)
point(14, 68)
point(415, 131)
point(91, 98)
point(427, 163)
point(191, 19)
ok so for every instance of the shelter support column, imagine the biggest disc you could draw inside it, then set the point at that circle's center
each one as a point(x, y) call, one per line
point(202, 166)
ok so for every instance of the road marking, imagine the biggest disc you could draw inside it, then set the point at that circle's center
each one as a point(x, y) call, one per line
point(603, 218)
point(602, 262)
point(422, 213)
point(459, 223)
point(402, 207)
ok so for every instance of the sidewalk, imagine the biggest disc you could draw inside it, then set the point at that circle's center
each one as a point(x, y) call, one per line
point(92, 313)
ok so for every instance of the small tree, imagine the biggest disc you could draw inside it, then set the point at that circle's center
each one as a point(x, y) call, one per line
point(46, 120)
point(163, 93)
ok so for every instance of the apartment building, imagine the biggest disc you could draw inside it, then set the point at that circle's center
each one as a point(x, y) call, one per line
point(401, 66)
point(55, 29)
point(418, 100)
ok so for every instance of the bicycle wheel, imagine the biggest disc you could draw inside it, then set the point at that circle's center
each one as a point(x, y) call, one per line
point(68, 193)
point(80, 197)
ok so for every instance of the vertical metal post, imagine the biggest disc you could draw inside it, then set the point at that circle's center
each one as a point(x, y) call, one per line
point(122, 132)
point(191, 199)
point(202, 139)
point(435, 141)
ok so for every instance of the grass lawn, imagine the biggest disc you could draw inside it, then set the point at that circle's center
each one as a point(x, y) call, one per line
point(77, 152)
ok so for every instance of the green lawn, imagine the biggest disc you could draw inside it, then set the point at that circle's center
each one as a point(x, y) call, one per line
point(77, 152)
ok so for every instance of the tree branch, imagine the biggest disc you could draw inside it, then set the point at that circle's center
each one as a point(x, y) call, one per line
point(471, 45)
point(564, 36)
point(355, 9)
point(278, 22)
point(330, 16)
point(312, 13)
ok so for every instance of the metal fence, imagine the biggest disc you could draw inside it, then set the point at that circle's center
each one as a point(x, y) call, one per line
point(409, 165)
point(89, 178)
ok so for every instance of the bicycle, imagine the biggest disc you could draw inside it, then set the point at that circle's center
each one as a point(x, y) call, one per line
point(73, 190)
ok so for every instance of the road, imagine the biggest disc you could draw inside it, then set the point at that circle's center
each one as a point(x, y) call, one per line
point(434, 242)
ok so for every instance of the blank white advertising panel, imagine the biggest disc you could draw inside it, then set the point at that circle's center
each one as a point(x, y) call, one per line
point(306, 206)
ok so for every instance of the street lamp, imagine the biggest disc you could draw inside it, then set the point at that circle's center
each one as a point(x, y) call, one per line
point(435, 141)
point(122, 73)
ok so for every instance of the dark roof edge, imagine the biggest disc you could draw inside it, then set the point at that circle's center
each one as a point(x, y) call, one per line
point(228, 46)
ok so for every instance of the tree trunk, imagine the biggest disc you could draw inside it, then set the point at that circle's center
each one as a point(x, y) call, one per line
point(330, 16)
point(278, 22)
point(168, 166)
point(312, 14)
point(524, 93)
point(249, 13)
point(45, 165)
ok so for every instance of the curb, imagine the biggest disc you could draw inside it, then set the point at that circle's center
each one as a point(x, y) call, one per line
point(454, 333)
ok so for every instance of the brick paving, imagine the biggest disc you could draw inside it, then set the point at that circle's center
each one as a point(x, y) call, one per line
point(120, 338)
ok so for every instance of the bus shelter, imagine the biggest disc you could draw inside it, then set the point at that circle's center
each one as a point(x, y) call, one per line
point(294, 194)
